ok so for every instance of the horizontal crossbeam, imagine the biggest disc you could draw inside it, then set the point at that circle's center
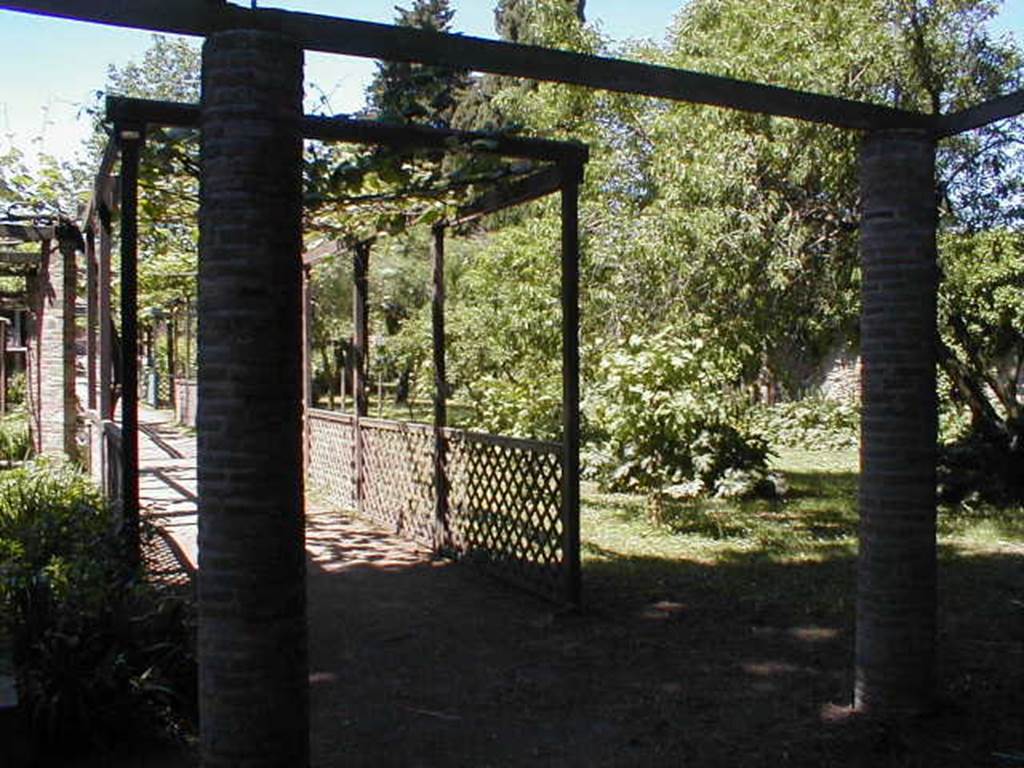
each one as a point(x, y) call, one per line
point(20, 258)
point(517, 192)
point(381, 41)
point(345, 129)
point(26, 234)
point(1001, 108)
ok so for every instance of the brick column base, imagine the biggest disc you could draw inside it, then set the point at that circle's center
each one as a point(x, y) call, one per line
point(252, 599)
point(896, 599)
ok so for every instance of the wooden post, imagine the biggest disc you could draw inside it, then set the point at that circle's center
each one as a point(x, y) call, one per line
point(188, 341)
point(3, 366)
point(106, 356)
point(571, 176)
point(307, 364)
point(442, 534)
point(361, 322)
point(172, 342)
point(131, 139)
point(91, 315)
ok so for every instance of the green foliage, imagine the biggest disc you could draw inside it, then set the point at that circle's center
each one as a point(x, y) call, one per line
point(504, 336)
point(16, 388)
point(403, 91)
point(814, 423)
point(15, 440)
point(982, 312)
point(168, 173)
point(664, 413)
point(100, 659)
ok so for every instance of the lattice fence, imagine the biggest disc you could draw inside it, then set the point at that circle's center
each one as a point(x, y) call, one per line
point(506, 507)
point(332, 457)
point(398, 477)
point(504, 501)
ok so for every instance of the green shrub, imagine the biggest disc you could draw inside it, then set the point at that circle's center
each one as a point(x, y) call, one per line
point(811, 423)
point(100, 657)
point(982, 466)
point(16, 388)
point(665, 415)
point(15, 441)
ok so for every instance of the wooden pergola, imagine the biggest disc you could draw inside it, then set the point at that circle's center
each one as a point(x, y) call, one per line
point(47, 297)
point(557, 168)
point(253, 611)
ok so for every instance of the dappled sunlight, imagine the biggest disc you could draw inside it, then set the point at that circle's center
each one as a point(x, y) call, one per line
point(337, 542)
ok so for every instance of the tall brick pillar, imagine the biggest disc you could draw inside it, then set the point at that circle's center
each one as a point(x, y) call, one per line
point(896, 599)
point(252, 597)
point(56, 329)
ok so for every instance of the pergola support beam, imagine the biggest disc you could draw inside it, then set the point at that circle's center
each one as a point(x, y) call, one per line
point(382, 41)
point(571, 178)
point(979, 116)
point(131, 139)
point(442, 534)
point(355, 131)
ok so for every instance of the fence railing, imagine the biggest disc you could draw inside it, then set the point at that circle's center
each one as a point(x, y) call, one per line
point(493, 501)
point(105, 459)
point(185, 392)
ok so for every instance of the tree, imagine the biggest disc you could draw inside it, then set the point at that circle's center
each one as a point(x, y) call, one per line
point(168, 172)
point(407, 92)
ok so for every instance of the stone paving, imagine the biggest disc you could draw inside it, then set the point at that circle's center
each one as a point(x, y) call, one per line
point(167, 495)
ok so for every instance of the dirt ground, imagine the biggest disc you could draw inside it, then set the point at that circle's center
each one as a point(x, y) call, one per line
point(416, 662)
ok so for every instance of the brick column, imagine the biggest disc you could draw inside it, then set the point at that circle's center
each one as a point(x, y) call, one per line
point(56, 329)
point(252, 591)
point(896, 599)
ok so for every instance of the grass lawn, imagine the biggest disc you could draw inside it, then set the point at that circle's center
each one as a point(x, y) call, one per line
point(763, 593)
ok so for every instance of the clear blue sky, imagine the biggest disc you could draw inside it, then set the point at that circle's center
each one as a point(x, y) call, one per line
point(51, 67)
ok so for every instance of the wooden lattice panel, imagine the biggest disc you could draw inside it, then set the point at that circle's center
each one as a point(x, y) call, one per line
point(504, 495)
point(398, 477)
point(505, 508)
point(332, 457)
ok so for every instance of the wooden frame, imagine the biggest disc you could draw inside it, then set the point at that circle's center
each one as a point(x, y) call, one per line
point(381, 41)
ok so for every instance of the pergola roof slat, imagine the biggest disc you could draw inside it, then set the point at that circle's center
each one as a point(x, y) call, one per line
point(522, 190)
point(1001, 108)
point(27, 233)
point(382, 41)
point(20, 259)
point(351, 130)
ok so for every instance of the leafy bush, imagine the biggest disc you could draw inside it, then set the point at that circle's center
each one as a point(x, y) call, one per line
point(812, 423)
point(16, 388)
point(15, 441)
point(665, 416)
point(980, 466)
point(100, 657)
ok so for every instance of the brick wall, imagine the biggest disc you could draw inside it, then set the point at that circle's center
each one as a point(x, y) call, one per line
point(55, 323)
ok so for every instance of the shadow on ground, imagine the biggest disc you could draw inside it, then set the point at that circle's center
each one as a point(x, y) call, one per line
point(423, 663)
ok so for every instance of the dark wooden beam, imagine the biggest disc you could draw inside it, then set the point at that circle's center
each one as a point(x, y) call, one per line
point(91, 317)
point(131, 146)
point(360, 350)
point(27, 234)
point(1001, 108)
point(442, 533)
point(353, 131)
point(512, 193)
point(381, 41)
point(20, 259)
point(101, 182)
point(572, 176)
